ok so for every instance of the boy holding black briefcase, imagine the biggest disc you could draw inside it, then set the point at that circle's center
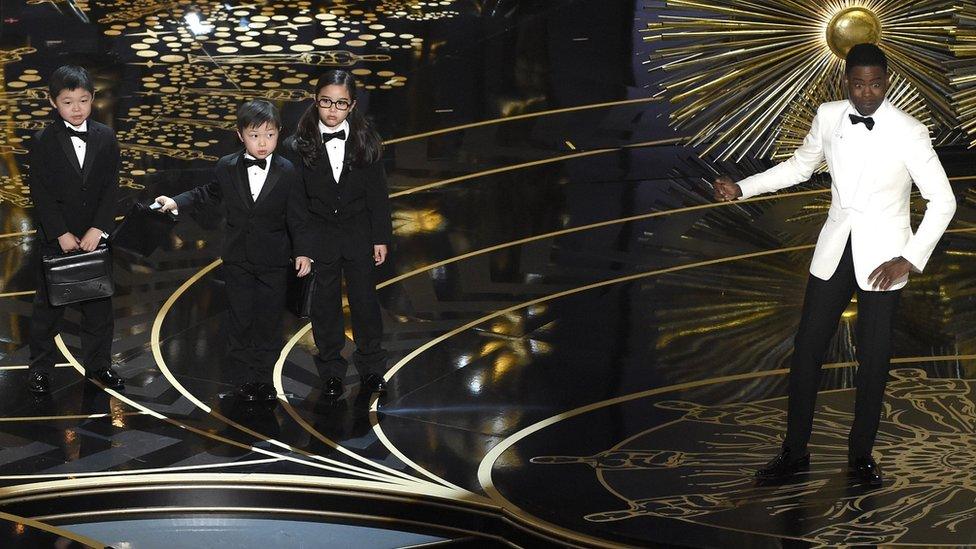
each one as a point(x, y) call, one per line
point(73, 178)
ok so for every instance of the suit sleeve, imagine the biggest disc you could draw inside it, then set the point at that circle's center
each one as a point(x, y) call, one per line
point(929, 176)
point(297, 217)
point(378, 204)
point(39, 182)
point(208, 195)
point(797, 169)
point(105, 212)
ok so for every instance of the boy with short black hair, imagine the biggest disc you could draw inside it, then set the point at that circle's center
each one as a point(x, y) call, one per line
point(73, 175)
point(263, 203)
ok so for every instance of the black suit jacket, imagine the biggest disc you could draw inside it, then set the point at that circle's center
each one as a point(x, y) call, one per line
point(257, 231)
point(346, 218)
point(69, 197)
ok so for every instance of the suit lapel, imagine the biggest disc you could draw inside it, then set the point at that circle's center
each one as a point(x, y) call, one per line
point(324, 165)
point(69, 149)
point(848, 152)
point(346, 163)
point(239, 178)
point(274, 173)
point(91, 148)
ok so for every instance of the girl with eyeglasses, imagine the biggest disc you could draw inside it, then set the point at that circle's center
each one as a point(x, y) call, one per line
point(338, 155)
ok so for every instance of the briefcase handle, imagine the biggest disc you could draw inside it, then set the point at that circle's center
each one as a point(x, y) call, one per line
point(102, 245)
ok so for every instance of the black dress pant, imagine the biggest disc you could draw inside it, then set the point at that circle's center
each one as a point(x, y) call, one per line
point(328, 325)
point(95, 331)
point(823, 304)
point(256, 304)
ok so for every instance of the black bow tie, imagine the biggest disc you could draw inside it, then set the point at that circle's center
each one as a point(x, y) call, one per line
point(75, 133)
point(341, 134)
point(866, 120)
point(261, 163)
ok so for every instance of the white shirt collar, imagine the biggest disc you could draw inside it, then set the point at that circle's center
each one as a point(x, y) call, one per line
point(82, 128)
point(343, 126)
point(268, 158)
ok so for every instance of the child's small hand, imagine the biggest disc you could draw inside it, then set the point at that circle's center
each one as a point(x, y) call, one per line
point(91, 239)
point(68, 242)
point(167, 203)
point(379, 253)
point(303, 265)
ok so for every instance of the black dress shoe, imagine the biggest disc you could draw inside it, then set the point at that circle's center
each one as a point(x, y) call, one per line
point(243, 411)
point(783, 466)
point(247, 392)
point(109, 379)
point(39, 384)
point(866, 470)
point(333, 387)
point(374, 383)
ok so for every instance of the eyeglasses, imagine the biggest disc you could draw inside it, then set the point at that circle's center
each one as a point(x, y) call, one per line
point(340, 104)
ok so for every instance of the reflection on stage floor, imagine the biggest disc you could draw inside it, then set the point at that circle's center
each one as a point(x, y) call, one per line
point(585, 348)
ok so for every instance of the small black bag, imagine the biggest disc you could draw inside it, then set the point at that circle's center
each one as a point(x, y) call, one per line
point(300, 293)
point(79, 276)
point(143, 230)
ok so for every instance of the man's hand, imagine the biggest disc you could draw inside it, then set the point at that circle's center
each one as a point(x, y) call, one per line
point(167, 203)
point(68, 242)
point(379, 253)
point(91, 239)
point(303, 265)
point(890, 272)
point(726, 190)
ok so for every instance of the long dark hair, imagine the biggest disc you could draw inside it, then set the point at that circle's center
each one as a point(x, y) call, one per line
point(363, 144)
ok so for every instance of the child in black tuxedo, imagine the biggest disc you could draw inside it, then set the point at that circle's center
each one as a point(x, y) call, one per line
point(73, 175)
point(263, 202)
point(338, 155)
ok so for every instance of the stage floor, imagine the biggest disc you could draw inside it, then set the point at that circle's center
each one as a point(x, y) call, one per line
point(585, 349)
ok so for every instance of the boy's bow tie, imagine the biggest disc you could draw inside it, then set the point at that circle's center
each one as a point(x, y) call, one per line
point(75, 133)
point(259, 162)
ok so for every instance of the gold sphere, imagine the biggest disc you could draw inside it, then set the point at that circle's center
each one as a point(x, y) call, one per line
point(850, 27)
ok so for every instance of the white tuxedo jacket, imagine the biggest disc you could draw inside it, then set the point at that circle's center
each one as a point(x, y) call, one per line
point(871, 182)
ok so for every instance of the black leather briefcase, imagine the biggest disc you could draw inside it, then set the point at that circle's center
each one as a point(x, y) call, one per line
point(79, 276)
point(143, 230)
point(300, 293)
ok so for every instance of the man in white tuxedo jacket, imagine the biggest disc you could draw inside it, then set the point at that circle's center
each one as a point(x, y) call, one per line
point(874, 152)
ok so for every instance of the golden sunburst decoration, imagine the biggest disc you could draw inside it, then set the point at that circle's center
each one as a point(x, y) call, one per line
point(738, 66)
point(962, 73)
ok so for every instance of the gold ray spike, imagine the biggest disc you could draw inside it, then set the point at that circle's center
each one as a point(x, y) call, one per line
point(962, 73)
point(745, 76)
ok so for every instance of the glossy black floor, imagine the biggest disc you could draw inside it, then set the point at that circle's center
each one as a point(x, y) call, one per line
point(585, 350)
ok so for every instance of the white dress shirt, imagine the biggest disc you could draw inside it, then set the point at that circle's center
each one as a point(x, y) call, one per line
point(256, 176)
point(78, 143)
point(336, 148)
point(81, 147)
